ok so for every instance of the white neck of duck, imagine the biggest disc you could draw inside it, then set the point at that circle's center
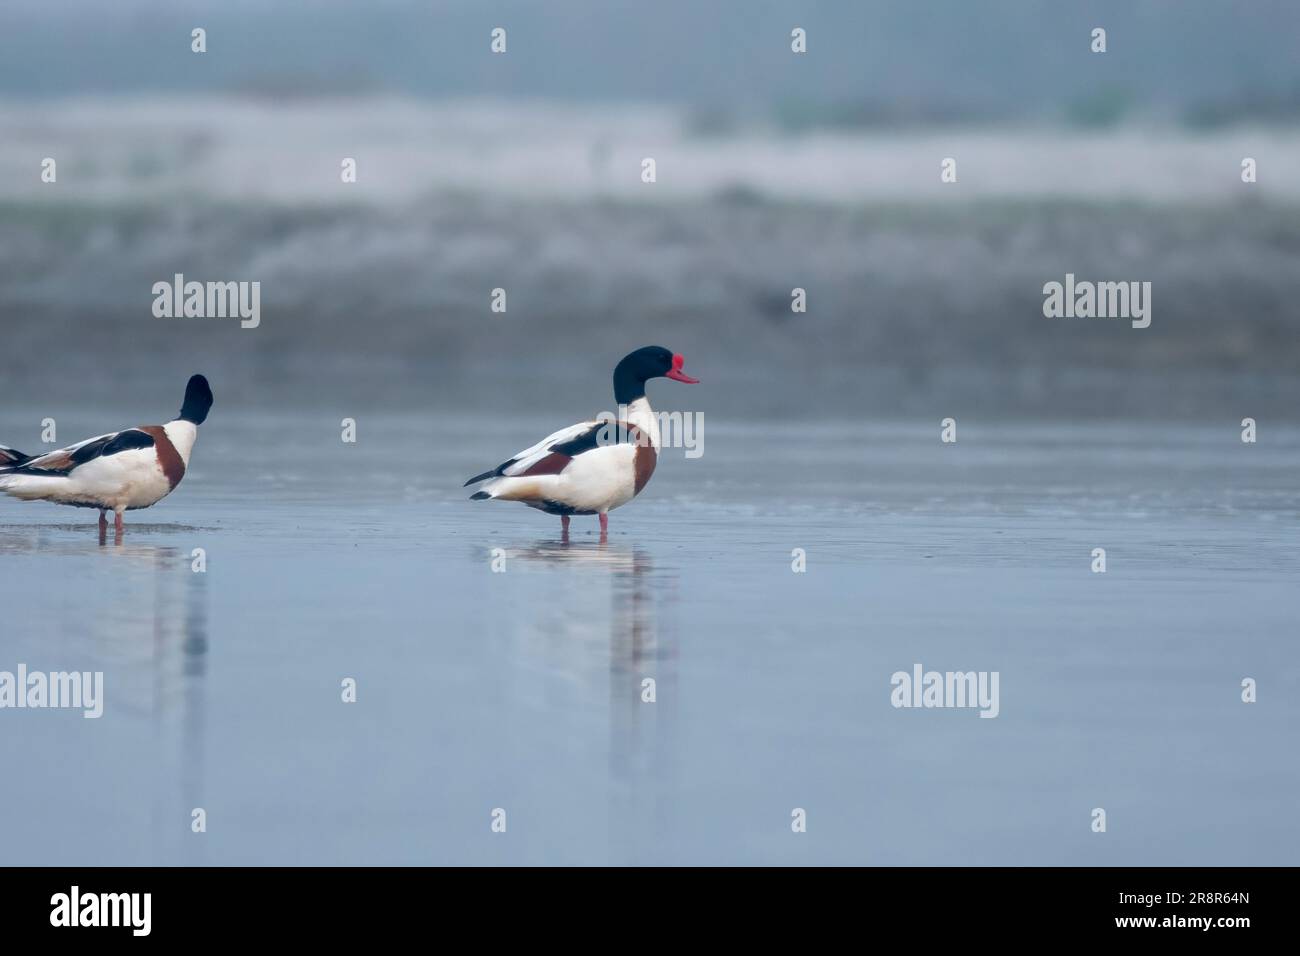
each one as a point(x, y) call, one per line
point(639, 413)
point(182, 434)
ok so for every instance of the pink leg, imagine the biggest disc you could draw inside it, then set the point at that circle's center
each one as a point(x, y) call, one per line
point(604, 524)
point(564, 526)
point(117, 522)
point(103, 521)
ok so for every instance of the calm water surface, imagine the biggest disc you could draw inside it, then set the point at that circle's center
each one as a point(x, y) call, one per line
point(522, 690)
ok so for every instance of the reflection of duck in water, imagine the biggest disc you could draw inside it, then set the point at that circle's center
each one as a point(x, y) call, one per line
point(120, 471)
point(632, 629)
point(34, 539)
point(562, 552)
point(607, 626)
point(595, 466)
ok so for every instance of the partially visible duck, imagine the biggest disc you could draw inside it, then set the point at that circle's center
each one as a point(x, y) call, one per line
point(117, 472)
point(592, 467)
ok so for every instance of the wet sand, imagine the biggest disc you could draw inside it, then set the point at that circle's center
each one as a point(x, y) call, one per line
point(522, 689)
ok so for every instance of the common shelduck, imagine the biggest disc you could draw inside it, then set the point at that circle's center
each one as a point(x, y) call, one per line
point(592, 467)
point(118, 472)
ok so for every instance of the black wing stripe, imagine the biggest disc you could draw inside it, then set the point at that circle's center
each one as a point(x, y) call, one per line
point(130, 439)
point(122, 441)
point(604, 433)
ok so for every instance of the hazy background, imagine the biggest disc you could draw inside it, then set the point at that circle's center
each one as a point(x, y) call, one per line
point(521, 171)
point(522, 689)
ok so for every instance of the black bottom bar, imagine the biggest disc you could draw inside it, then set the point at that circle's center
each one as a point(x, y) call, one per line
point(334, 905)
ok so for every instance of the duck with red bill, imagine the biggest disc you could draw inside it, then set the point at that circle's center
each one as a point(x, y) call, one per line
point(592, 467)
point(676, 373)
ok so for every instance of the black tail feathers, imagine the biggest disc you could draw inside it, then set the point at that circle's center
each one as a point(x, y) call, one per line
point(12, 457)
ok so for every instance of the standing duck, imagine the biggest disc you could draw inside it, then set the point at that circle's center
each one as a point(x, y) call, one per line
point(118, 472)
point(592, 467)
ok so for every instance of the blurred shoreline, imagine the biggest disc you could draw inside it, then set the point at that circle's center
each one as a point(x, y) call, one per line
point(230, 148)
point(923, 298)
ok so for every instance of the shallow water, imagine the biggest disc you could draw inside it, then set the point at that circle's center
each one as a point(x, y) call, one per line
point(522, 690)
